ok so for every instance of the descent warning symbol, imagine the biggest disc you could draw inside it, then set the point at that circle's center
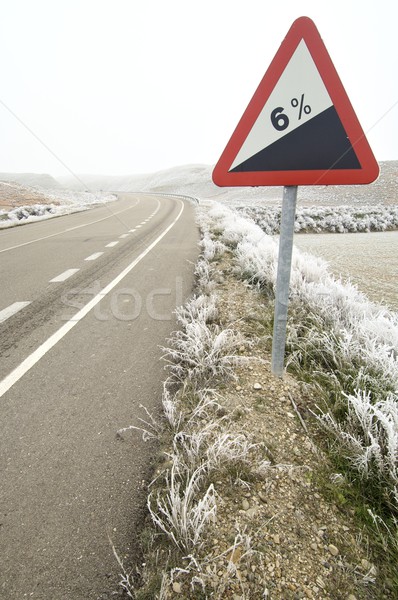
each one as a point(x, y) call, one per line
point(299, 128)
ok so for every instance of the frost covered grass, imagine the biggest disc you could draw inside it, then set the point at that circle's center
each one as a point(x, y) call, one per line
point(336, 339)
point(368, 438)
point(183, 513)
point(183, 502)
point(346, 349)
point(202, 349)
point(321, 219)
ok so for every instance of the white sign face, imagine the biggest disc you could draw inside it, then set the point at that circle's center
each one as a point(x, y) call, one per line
point(299, 127)
point(300, 95)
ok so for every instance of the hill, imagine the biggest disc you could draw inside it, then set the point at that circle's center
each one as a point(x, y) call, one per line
point(196, 180)
point(42, 180)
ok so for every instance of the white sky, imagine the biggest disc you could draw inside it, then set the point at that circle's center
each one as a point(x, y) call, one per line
point(128, 86)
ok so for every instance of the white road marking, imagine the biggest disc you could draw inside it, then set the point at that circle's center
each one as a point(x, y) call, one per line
point(124, 235)
point(12, 310)
point(33, 358)
point(111, 244)
point(64, 276)
point(131, 230)
point(138, 226)
point(70, 229)
point(94, 256)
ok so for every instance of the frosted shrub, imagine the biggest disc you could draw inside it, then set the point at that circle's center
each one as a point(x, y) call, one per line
point(257, 263)
point(201, 352)
point(170, 408)
point(369, 440)
point(318, 219)
point(31, 211)
point(202, 349)
point(183, 513)
point(211, 248)
point(212, 447)
point(204, 277)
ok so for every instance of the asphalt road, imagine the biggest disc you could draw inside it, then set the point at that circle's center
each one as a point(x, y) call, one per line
point(79, 345)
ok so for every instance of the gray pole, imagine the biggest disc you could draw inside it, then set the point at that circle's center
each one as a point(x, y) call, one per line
point(283, 278)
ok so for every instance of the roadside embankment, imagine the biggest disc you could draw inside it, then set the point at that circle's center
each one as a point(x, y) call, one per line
point(269, 488)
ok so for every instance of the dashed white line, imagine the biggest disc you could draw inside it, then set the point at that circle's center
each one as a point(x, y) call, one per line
point(124, 235)
point(111, 244)
point(37, 354)
point(12, 310)
point(113, 214)
point(131, 230)
point(94, 256)
point(64, 276)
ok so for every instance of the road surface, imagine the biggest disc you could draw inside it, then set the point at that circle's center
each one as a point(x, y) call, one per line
point(85, 301)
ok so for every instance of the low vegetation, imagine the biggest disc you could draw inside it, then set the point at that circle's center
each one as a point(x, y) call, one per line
point(343, 349)
point(322, 219)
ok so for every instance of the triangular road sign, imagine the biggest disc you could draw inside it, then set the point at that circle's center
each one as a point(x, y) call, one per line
point(299, 128)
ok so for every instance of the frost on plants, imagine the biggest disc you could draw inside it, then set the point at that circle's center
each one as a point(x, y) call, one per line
point(369, 440)
point(321, 219)
point(202, 349)
point(183, 513)
point(336, 336)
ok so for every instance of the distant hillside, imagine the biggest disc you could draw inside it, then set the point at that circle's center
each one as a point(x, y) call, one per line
point(183, 179)
point(32, 179)
point(196, 180)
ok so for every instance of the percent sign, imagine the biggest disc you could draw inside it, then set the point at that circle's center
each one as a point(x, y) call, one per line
point(281, 121)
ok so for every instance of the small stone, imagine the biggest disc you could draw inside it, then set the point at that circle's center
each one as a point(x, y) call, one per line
point(333, 550)
point(366, 564)
point(314, 546)
point(245, 504)
point(262, 497)
point(176, 587)
point(320, 582)
point(351, 597)
point(257, 386)
point(276, 538)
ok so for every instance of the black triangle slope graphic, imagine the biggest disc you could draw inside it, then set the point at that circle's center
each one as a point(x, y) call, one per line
point(321, 143)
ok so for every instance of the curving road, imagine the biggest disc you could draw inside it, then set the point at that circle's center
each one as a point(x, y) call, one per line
point(85, 301)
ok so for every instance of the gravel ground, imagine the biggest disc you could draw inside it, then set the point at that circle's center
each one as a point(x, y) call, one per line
point(307, 547)
point(277, 533)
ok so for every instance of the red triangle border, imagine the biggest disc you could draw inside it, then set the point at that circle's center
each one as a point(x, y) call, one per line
point(302, 29)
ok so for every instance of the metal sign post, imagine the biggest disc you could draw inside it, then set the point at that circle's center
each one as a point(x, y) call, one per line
point(283, 278)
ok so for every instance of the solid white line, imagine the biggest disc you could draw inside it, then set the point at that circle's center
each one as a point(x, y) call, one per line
point(33, 358)
point(70, 228)
point(94, 256)
point(64, 276)
point(124, 235)
point(12, 310)
point(111, 244)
